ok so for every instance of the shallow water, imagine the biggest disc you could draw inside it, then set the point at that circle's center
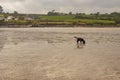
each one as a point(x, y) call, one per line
point(52, 54)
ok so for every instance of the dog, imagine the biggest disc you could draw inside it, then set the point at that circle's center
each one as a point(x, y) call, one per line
point(80, 41)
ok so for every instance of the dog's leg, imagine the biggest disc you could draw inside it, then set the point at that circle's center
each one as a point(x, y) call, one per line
point(77, 44)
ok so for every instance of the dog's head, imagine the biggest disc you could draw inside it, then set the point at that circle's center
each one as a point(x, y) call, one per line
point(75, 37)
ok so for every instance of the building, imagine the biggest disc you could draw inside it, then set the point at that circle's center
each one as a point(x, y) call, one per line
point(10, 18)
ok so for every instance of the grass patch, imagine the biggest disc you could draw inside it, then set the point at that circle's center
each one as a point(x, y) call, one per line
point(72, 19)
point(58, 18)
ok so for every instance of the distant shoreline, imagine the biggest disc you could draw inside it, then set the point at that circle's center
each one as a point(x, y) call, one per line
point(60, 26)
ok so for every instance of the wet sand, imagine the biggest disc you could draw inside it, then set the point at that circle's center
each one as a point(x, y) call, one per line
point(52, 54)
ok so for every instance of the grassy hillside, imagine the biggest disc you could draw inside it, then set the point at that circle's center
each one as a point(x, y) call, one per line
point(58, 18)
point(71, 18)
point(66, 20)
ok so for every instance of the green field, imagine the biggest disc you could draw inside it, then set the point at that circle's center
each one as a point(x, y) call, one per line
point(71, 18)
point(61, 20)
point(58, 18)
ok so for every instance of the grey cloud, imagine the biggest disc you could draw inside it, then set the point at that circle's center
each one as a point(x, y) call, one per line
point(106, 3)
point(43, 6)
point(12, 1)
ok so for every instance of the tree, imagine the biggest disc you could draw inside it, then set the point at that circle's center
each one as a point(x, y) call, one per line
point(53, 13)
point(15, 12)
point(1, 9)
point(70, 13)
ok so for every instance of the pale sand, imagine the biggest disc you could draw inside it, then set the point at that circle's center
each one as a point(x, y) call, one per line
point(52, 54)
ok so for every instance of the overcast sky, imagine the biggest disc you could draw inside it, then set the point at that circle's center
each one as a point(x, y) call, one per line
point(43, 6)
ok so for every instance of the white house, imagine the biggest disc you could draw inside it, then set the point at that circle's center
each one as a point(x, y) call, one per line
point(10, 18)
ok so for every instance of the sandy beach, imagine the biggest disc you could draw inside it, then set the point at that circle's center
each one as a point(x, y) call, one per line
point(52, 54)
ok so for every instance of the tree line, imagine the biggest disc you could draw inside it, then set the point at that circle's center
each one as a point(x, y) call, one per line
point(99, 16)
point(114, 16)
